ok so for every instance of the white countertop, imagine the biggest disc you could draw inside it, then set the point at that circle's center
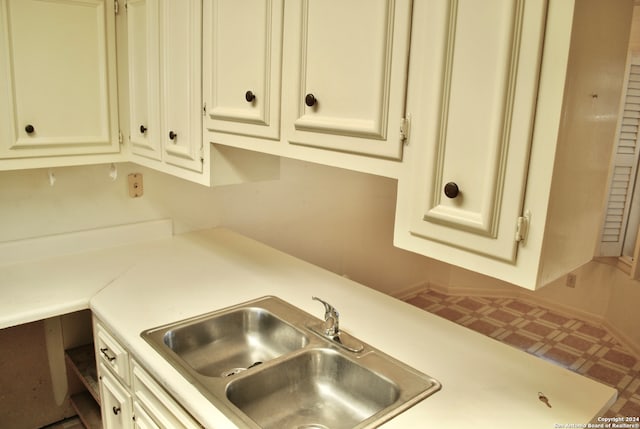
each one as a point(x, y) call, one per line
point(486, 384)
point(53, 275)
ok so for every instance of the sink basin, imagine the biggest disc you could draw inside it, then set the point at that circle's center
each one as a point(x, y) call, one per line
point(264, 365)
point(231, 342)
point(317, 388)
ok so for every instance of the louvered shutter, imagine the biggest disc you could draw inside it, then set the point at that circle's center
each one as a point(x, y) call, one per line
point(624, 165)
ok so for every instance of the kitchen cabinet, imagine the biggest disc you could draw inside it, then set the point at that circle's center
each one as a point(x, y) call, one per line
point(160, 408)
point(131, 398)
point(500, 175)
point(57, 80)
point(117, 405)
point(164, 70)
point(242, 66)
point(345, 67)
point(479, 107)
point(325, 80)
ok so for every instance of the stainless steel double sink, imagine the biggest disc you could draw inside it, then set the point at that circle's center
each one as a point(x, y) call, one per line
point(264, 365)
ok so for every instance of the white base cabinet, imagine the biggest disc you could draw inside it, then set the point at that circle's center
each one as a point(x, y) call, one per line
point(512, 127)
point(116, 401)
point(130, 397)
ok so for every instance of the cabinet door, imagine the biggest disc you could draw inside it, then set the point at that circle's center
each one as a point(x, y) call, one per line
point(475, 121)
point(243, 49)
point(345, 67)
point(160, 406)
point(142, 420)
point(57, 65)
point(144, 85)
point(115, 402)
point(180, 74)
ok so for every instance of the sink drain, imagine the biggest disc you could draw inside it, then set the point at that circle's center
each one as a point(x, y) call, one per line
point(234, 371)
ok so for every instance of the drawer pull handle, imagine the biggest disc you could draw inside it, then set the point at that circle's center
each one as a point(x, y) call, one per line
point(104, 352)
point(116, 411)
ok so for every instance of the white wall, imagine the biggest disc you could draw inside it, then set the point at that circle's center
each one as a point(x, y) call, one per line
point(340, 220)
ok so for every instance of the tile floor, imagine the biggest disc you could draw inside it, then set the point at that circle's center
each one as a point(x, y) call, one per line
point(574, 344)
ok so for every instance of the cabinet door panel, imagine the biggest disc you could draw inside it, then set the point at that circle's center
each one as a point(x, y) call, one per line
point(352, 57)
point(116, 403)
point(180, 58)
point(60, 61)
point(144, 85)
point(481, 125)
point(243, 46)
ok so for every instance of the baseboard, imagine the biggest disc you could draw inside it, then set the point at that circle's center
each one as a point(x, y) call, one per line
point(410, 291)
point(622, 338)
point(472, 291)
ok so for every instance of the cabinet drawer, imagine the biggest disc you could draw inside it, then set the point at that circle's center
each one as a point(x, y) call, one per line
point(162, 408)
point(112, 354)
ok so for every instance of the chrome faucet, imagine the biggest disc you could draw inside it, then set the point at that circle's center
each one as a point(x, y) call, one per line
point(330, 329)
point(331, 319)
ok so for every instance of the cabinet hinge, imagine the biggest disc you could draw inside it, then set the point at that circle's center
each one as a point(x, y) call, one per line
point(202, 153)
point(116, 7)
point(522, 226)
point(120, 137)
point(204, 109)
point(405, 124)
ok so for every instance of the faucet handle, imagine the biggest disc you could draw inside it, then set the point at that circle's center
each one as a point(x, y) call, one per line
point(330, 315)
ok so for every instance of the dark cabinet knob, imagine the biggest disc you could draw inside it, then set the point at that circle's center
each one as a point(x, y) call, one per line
point(29, 129)
point(172, 135)
point(451, 190)
point(116, 410)
point(310, 100)
point(249, 96)
point(143, 129)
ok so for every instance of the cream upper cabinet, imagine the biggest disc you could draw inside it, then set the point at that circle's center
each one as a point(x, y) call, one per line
point(181, 82)
point(344, 74)
point(242, 66)
point(57, 78)
point(499, 174)
point(144, 77)
point(477, 110)
point(164, 71)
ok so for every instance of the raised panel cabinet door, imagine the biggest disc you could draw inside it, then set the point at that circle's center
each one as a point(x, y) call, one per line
point(242, 66)
point(181, 85)
point(475, 128)
point(142, 419)
point(144, 74)
point(57, 65)
point(115, 402)
point(345, 65)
